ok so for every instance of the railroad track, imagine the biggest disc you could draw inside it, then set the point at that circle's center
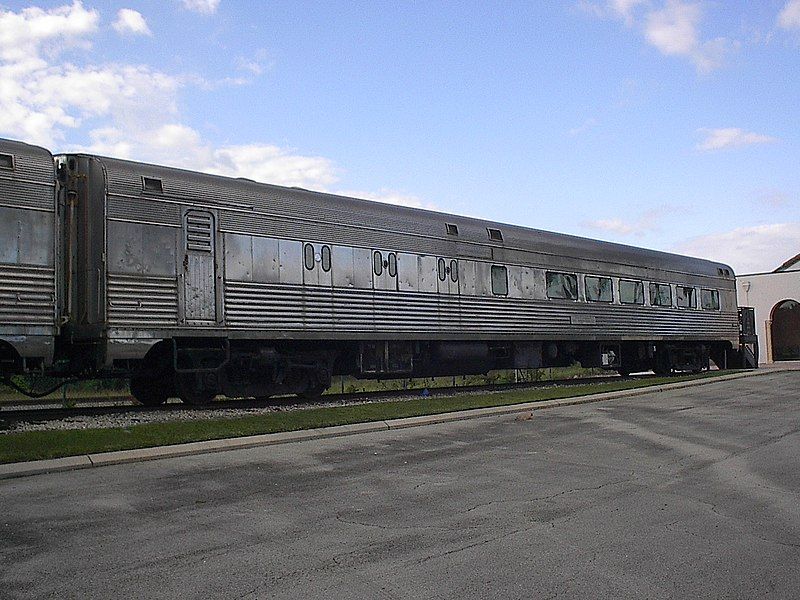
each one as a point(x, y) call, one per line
point(42, 412)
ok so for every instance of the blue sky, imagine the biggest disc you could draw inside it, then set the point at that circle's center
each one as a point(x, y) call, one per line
point(667, 124)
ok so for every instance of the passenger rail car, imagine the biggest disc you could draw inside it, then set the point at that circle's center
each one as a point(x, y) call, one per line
point(197, 285)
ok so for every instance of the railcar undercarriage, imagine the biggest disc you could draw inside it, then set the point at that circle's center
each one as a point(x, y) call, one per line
point(198, 369)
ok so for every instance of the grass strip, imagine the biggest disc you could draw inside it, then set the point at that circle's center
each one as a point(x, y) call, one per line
point(38, 445)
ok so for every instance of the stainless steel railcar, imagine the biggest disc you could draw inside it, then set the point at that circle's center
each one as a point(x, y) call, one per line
point(198, 285)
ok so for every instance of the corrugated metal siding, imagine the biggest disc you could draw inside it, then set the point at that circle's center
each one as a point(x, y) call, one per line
point(147, 302)
point(18, 194)
point(31, 184)
point(289, 308)
point(144, 210)
point(27, 296)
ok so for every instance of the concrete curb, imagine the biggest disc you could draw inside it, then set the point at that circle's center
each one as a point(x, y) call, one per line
point(70, 463)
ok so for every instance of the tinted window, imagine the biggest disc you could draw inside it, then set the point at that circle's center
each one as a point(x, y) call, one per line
point(377, 263)
point(441, 268)
point(392, 264)
point(6, 161)
point(454, 270)
point(562, 285)
point(709, 299)
point(599, 289)
point(308, 256)
point(499, 280)
point(451, 229)
point(326, 258)
point(631, 292)
point(685, 297)
point(495, 234)
point(660, 294)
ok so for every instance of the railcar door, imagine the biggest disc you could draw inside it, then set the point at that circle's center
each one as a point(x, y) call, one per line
point(384, 270)
point(447, 275)
point(199, 267)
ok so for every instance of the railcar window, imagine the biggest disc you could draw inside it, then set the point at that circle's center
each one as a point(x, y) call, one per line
point(660, 294)
point(454, 270)
point(631, 292)
point(499, 280)
point(685, 297)
point(308, 256)
point(709, 299)
point(392, 264)
point(599, 289)
point(151, 184)
point(452, 229)
point(326, 258)
point(561, 285)
point(495, 234)
point(377, 262)
point(7, 161)
point(441, 268)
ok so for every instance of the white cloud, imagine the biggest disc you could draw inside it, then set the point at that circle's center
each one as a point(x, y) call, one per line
point(731, 137)
point(131, 22)
point(673, 30)
point(43, 93)
point(774, 198)
point(129, 111)
point(756, 249)
point(584, 127)
point(25, 35)
point(255, 64)
point(272, 164)
point(204, 7)
point(789, 17)
point(625, 9)
point(648, 221)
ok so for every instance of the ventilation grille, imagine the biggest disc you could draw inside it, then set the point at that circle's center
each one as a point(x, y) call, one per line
point(152, 184)
point(199, 229)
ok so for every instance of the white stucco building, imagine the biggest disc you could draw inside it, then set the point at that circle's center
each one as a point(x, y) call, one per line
point(776, 299)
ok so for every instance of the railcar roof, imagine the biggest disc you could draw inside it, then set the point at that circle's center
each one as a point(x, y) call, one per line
point(125, 177)
point(37, 161)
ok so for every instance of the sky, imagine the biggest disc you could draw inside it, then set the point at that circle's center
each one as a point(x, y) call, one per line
point(666, 124)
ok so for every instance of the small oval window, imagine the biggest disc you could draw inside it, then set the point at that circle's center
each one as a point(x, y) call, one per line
point(392, 265)
point(326, 258)
point(308, 254)
point(454, 270)
point(377, 263)
point(442, 269)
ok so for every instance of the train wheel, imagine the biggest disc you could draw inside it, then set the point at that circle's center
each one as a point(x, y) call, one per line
point(313, 393)
point(316, 384)
point(197, 389)
point(197, 399)
point(149, 390)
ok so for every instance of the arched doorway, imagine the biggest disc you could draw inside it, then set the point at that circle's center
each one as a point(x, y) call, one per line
point(786, 330)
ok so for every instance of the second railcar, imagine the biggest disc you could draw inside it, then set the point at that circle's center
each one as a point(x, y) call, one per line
point(29, 269)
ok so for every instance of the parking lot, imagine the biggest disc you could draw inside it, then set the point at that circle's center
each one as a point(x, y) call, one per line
point(688, 493)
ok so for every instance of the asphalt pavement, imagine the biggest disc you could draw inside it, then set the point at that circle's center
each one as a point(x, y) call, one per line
point(686, 493)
